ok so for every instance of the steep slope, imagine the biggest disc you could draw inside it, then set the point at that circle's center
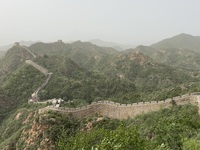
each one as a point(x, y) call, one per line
point(13, 59)
point(26, 129)
point(16, 88)
point(70, 81)
point(179, 58)
point(181, 41)
point(143, 71)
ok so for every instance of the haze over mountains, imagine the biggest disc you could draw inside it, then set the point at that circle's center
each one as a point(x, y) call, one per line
point(180, 51)
point(181, 41)
point(119, 47)
point(84, 72)
point(25, 43)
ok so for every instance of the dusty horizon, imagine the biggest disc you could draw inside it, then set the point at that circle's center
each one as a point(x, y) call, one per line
point(128, 22)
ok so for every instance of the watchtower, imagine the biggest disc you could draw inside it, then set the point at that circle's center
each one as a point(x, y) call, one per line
point(16, 44)
point(59, 41)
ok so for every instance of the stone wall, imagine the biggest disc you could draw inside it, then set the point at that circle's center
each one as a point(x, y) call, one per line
point(40, 68)
point(34, 56)
point(123, 111)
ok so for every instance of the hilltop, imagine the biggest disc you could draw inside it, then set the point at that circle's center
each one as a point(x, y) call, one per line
point(178, 58)
point(13, 58)
point(25, 43)
point(181, 41)
point(84, 54)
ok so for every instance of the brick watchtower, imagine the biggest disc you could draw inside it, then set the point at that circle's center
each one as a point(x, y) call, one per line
point(16, 44)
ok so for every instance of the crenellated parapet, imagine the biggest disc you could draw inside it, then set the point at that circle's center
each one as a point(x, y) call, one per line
point(123, 111)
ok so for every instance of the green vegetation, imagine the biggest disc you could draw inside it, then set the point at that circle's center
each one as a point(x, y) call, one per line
point(184, 41)
point(84, 54)
point(18, 88)
point(173, 128)
point(176, 57)
point(83, 73)
point(13, 126)
point(167, 129)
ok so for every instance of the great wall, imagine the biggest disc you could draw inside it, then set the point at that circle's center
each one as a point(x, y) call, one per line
point(124, 111)
point(43, 70)
point(38, 67)
point(111, 109)
point(24, 47)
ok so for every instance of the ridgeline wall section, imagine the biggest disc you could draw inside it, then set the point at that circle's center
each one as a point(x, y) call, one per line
point(34, 56)
point(111, 109)
point(124, 111)
point(35, 65)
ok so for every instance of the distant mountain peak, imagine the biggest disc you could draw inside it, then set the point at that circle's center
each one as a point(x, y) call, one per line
point(183, 41)
point(183, 34)
point(117, 46)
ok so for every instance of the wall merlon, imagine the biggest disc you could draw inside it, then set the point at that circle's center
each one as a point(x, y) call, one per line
point(140, 103)
point(160, 102)
point(185, 95)
point(169, 100)
point(147, 103)
point(154, 102)
point(117, 104)
point(177, 97)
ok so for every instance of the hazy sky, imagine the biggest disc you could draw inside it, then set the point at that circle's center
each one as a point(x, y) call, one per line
point(124, 21)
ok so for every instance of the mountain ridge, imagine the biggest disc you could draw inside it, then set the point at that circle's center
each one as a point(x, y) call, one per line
point(180, 41)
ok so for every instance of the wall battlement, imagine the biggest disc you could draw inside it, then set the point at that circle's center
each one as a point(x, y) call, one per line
point(123, 111)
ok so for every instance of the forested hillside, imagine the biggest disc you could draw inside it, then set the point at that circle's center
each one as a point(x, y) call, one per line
point(83, 73)
point(181, 41)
